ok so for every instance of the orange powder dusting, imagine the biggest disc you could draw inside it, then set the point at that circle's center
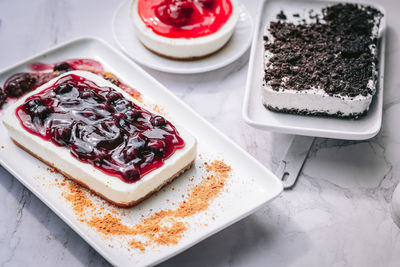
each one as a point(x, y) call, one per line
point(137, 245)
point(218, 167)
point(171, 234)
point(109, 224)
point(132, 92)
point(206, 191)
point(159, 110)
point(51, 170)
point(114, 79)
point(164, 227)
point(161, 228)
point(77, 196)
point(200, 198)
point(111, 77)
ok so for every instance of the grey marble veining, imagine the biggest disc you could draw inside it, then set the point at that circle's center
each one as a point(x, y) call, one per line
point(337, 215)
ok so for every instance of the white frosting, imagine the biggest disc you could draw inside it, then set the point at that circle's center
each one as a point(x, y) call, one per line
point(184, 47)
point(109, 186)
point(316, 99)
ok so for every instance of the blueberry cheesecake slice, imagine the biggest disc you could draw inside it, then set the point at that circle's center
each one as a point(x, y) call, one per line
point(94, 133)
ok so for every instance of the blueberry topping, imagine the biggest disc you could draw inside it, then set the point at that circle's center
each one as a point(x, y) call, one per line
point(63, 88)
point(62, 67)
point(61, 135)
point(101, 127)
point(3, 98)
point(158, 121)
point(131, 174)
point(19, 84)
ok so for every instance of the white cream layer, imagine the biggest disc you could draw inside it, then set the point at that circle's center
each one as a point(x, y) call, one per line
point(109, 186)
point(316, 99)
point(184, 47)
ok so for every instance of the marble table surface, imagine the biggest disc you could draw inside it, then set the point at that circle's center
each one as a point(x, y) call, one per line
point(337, 215)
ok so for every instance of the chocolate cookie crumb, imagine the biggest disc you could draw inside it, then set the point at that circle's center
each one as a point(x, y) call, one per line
point(281, 16)
point(334, 55)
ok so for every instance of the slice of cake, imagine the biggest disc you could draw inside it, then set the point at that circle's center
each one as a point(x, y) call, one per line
point(92, 132)
point(326, 66)
point(184, 29)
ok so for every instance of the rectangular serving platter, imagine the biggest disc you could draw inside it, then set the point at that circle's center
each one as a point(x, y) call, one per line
point(251, 185)
point(256, 115)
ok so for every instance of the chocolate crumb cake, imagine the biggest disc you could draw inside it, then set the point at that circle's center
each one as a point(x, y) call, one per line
point(326, 66)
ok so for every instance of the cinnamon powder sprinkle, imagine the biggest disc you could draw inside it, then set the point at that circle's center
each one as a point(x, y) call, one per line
point(165, 227)
point(51, 170)
point(114, 79)
point(109, 224)
point(137, 245)
point(159, 110)
point(77, 196)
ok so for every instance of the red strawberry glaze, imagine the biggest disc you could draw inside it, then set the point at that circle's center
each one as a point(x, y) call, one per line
point(184, 18)
point(100, 127)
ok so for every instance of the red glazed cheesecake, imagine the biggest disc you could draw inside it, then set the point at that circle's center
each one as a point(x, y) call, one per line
point(184, 29)
point(94, 133)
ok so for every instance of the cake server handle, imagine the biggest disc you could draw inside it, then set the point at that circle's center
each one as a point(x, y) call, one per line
point(293, 161)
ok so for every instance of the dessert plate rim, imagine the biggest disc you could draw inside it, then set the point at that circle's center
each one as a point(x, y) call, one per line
point(11, 158)
point(256, 115)
point(126, 39)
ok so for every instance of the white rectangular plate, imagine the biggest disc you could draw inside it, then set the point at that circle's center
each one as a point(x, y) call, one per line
point(258, 116)
point(250, 186)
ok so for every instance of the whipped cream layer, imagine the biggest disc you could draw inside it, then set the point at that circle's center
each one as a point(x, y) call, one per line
point(315, 101)
point(184, 48)
point(112, 188)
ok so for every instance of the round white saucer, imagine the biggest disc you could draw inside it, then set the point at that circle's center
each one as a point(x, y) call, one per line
point(124, 34)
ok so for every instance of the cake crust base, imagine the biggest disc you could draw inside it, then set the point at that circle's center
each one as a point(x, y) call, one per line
point(351, 116)
point(121, 205)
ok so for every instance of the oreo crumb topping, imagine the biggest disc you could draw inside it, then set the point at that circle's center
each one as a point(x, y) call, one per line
point(333, 54)
point(281, 15)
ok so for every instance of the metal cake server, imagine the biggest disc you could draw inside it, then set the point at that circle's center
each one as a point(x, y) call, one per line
point(293, 161)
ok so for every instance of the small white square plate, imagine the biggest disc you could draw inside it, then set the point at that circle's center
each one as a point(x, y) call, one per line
point(250, 186)
point(256, 115)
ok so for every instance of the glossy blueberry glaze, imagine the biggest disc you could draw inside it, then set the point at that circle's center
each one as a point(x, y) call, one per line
point(100, 127)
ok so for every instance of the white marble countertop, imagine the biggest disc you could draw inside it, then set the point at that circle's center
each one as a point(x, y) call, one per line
point(337, 215)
